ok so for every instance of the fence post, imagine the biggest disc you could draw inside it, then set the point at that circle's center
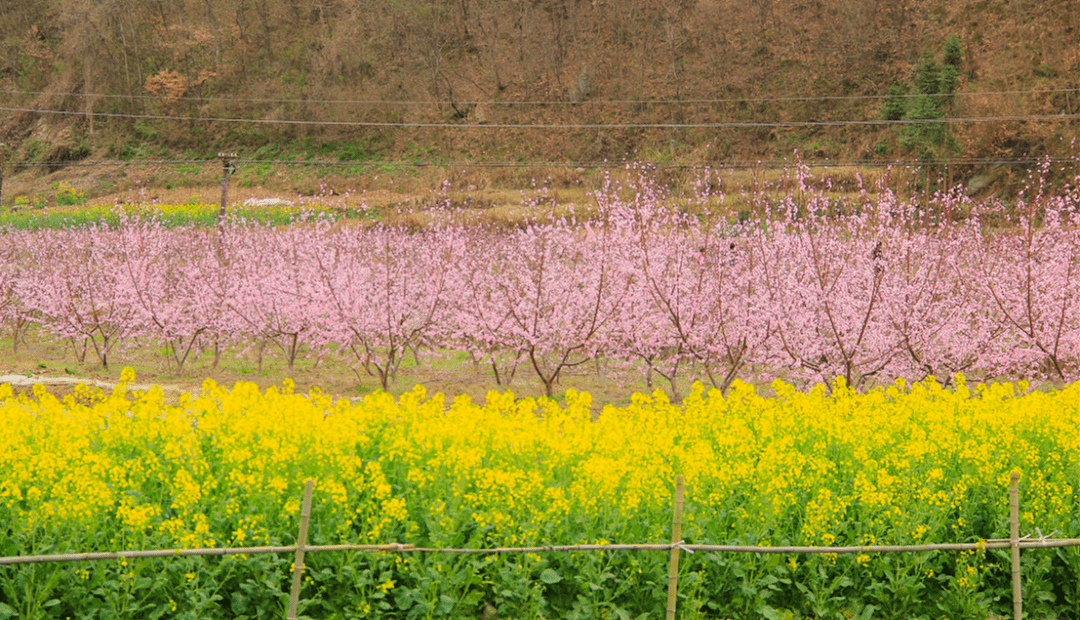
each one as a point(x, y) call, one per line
point(301, 542)
point(1014, 540)
point(676, 537)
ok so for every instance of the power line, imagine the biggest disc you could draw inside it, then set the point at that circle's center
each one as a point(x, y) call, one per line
point(447, 125)
point(701, 166)
point(106, 164)
point(564, 164)
point(801, 98)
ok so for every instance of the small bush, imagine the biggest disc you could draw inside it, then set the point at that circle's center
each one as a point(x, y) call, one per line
point(954, 52)
point(895, 107)
point(68, 196)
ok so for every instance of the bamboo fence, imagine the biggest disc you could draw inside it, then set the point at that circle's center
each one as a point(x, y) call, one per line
point(1015, 543)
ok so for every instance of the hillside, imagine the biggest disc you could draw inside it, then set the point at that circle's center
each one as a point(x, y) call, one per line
point(715, 82)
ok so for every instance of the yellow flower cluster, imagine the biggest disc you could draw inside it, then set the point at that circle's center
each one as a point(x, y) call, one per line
point(906, 464)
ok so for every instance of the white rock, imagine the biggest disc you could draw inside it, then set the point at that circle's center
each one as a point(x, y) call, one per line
point(267, 202)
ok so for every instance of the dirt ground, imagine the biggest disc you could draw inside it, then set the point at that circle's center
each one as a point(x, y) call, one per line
point(53, 364)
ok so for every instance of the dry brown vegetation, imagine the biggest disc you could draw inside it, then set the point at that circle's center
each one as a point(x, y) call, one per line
point(477, 64)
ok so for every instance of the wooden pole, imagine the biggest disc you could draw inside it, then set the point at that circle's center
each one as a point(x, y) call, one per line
point(2, 147)
point(301, 542)
point(226, 168)
point(1014, 540)
point(676, 537)
point(87, 88)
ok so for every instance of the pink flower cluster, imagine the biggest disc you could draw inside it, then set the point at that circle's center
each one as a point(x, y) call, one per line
point(868, 288)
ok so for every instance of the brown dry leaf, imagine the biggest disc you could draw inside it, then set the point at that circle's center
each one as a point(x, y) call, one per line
point(167, 84)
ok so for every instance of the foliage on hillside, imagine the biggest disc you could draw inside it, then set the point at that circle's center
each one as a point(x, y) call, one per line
point(485, 62)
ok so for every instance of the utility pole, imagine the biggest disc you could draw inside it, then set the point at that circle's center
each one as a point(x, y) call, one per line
point(227, 168)
point(3, 149)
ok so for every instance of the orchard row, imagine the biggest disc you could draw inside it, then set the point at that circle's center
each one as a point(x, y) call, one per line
point(818, 287)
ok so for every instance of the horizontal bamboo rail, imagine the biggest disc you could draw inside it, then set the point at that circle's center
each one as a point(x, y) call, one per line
point(1047, 543)
point(165, 553)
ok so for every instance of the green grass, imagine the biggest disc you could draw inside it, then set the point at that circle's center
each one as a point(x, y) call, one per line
point(169, 215)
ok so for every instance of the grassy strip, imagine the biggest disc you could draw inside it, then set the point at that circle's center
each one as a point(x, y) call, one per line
point(195, 215)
